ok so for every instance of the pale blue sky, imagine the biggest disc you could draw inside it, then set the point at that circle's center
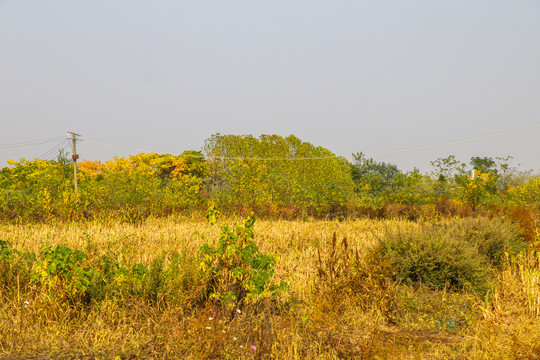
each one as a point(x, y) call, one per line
point(351, 76)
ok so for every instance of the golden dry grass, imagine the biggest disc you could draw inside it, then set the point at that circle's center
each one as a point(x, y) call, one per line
point(303, 324)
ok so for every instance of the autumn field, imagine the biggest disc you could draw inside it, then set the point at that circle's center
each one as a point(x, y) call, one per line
point(366, 289)
point(290, 180)
point(268, 248)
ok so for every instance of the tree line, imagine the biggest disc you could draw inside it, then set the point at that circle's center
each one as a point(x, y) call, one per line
point(271, 175)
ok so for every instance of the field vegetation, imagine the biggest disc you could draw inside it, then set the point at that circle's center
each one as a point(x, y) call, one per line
point(271, 176)
point(268, 248)
point(177, 288)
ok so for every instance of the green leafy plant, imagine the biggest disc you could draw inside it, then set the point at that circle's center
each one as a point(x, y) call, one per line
point(212, 215)
point(235, 271)
point(110, 279)
point(64, 266)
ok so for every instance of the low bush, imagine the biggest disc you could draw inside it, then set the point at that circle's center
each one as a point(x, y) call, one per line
point(493, 237)
point(236, 272)
point(460, 254)
point(73, 277)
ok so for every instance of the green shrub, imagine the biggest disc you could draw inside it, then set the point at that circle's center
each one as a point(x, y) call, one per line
point(64, 266)
point(109, 279)
point(236, 271)
point(84, 279)
point(461, 254)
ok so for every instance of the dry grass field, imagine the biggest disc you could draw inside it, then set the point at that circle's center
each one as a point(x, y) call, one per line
point(137, 291)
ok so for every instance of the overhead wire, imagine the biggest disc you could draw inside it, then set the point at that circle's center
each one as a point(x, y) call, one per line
point(65, 144)
point(112, 145)
point(459, 141)
point(29, 143)
point(53, 151)
point(414, 148)
point(275, 158)
point(64, 149)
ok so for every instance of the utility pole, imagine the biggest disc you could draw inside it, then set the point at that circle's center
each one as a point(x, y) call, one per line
point(74, 156)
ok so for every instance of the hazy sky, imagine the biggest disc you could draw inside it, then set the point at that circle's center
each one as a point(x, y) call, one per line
point(351, 76)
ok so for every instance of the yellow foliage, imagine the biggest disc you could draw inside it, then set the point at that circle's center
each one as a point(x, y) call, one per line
point(524, 194)
point(90, 169)
point(476, 188)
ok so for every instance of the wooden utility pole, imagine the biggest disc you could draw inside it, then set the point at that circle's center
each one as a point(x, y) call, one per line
point(74, 156)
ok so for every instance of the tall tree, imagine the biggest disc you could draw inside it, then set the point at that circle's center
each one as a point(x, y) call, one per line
point(373, 180)
point(274, 172)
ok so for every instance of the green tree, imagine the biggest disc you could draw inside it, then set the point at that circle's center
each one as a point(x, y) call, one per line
point(484, 181)
point(412, 188)
point(446, 170)
point(484, 164)
point(374, 181)
point(526, 194)
point(273, 173)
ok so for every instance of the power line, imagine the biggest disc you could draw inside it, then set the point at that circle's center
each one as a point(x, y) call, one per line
point(29, 143)
point(414, 148)
point(53, 151)
point(276, 159)
point(64, 149)
point(421, 147)
point(114, 146)
point(460, 141)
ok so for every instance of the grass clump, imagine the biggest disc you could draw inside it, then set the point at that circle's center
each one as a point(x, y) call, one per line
point(462, 254)
point(342, 273)
point(14, 266)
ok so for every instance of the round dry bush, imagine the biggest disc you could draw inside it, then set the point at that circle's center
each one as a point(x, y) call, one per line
point(493, 237)
point(461, 254)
